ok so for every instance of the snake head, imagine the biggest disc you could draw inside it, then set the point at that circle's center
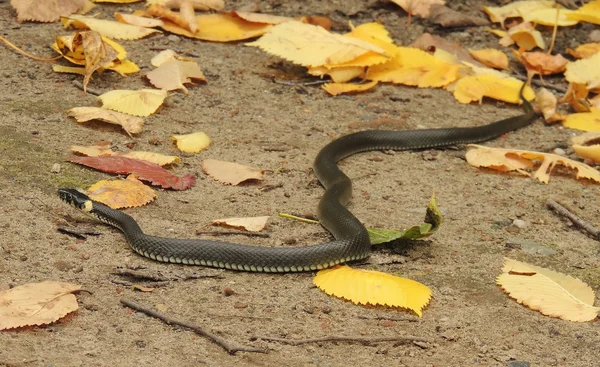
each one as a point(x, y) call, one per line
point(75, 198)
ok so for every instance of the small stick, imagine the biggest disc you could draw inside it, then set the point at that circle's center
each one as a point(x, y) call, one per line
point(230, 233)
point(538, 83)
point(358, 339)
point(579, 222)
point(293, 84)
point(391, 318)
point(228, 346)
point(139, 275)
point(79, 85)
point(290, 216)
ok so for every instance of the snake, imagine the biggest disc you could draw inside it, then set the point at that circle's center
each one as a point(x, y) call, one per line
point(351, 238)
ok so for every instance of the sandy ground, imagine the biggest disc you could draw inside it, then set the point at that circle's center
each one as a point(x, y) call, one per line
point(280, 128)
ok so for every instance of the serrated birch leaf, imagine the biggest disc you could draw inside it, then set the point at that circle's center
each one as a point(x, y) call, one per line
point(142, 102)
point(506, 160)
point(310, 45)
point(145, 171)
point(373, 287)
point(230, 173)
point(131, 124)
point(584, 71)
point(36, 304)
point(251, 224)
point(104, 150)
point(191, 143)
point(549, 292)
point(45, 11)
point(118, 194)
point(112, 29)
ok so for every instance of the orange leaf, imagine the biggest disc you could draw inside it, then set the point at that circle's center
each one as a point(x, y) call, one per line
point(122, 193)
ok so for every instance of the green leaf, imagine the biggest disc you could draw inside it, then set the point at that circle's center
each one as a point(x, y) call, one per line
point(432, 221)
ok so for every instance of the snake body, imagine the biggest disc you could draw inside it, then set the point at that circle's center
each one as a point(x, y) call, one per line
point(351, 237)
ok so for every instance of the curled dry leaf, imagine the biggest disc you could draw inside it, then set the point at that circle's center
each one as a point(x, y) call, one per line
point(516, 9)
point(310, 45)
point(341, 88)
point(527, 37)
point(36, 304)
point(45, 11)
point(542, 63)
point(109, 28)
point(142, 102)
point(145, 171)
point(118, 194)
point(182, 19)
point(222, 27)
point(587, 145)
point(576, 95)
point(230, 173)
point(192, 143)
point(202, 5)
point(172, 74)
point(105, 150)
point(373, 287)
point(506, 160)
point(131, 124)
point(547, 101)
point(251, 224)
point(552, 293)
point(447, 17)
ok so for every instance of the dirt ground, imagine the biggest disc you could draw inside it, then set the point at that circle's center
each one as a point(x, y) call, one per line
point(280, 128)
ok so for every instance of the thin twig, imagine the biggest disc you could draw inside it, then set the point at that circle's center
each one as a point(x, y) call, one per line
point(9, 44)
point(293, 84)
point(306, 220)
point(79, 85)
point(391, 318)
point(539, 83)
point(357, 339)
point(139, 275)
point(590, 229)
point(230, 347)
point(231, 233)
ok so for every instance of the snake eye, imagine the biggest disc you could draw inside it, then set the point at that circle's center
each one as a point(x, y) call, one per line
point(73, 197)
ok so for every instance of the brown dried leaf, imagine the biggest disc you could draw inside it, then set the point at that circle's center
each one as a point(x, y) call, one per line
point(36, 304)
point(97, 54)
point(174, 17)
point(145, 171)
point(171, 75)
point(118, 194)
point(131, 124)
point(230, 173)
point(45, 11)
point(420, 7)
point(547, 104)
point(104, 150)
point(447, 17)
point(251, 224)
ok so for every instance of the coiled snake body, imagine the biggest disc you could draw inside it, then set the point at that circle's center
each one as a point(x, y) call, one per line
point(351, 237)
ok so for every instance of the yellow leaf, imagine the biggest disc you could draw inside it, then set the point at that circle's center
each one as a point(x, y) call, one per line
point(587, 145)
point(585, 121)
point(310, 45)
point(191, 143)
point(117, 1)
point(172, 74)
point(260, 17)
point(474, 88)
point(109, 28)
point(373, 287)
point(552, 293)
point(220, 28)
point(118, 194)
point(142, 102)
point(590, 12)
point(547, 101)
point(506, 160)
point(162, 57)
point(585, 71)
point(123, 67)
point(121, 52)
point(202, 5)
point(526, 37)
point(251, 224)
point(584, 51)
point(138, 21)
point(548, 17)
point(420, 8)
point(412, 66)
point(491, 57)
point(515, 9)
point(36, 304)
point(230, 173)
point(375, 34)
point(338, 74)
point(131, 124)
point(339, 88)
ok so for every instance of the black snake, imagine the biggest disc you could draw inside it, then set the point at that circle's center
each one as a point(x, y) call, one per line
point(351, 237)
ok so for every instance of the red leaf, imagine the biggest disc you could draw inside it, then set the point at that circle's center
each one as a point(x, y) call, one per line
point(145, 171)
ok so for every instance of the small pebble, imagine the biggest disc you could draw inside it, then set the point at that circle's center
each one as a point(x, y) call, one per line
point(228, 292)
point(519, 223)
point(55, 168)
point(239, 305)
point(559, 151)
point(173, 38)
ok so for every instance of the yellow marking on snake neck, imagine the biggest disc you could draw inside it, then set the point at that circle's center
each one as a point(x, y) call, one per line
point(88, 206)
